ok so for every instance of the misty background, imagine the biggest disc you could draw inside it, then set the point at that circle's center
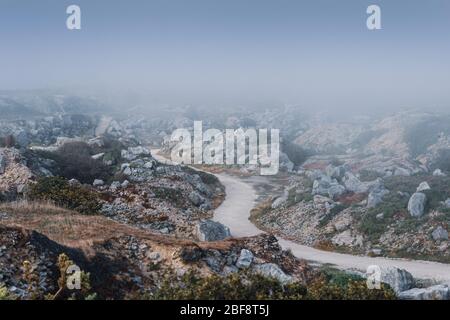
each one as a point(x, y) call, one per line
point(315, 54)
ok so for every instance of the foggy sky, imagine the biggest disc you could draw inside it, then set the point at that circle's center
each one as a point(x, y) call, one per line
point(313, 53)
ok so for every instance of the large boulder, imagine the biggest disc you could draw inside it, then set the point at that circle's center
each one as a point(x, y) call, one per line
point(326, 186)
point(196, 198)
point(208, 230)
point(438, 292)
point(416, 204)
point(133, 153)
point(353, 184)
point(398, 279)
point(376, 197)
point(245, 259)
point(335, 172)
point(271, 270)
point(440, 234)
point(280, 201)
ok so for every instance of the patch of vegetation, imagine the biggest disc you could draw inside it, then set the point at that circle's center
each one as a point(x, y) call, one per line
point(404, 254)
point(295, 153)
point(369, 175)
point(60, 192)
point(74, 161)
point(250, 286)
point(393, 204)
point(440, 188)
point(170, 194)
point(295, 197)
point(331, 214)
point(365, 137)
point(5, 295)
point(442, 161)
point(425, 133)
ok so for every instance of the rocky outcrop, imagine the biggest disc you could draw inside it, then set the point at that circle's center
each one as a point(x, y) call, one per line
point(353, 184)
point(416, 204)
point(326, 186)
point(376, 197)
point(423, 187)
point(439, 234)
point(273, 271)
point(438, 292)
point(398, 279)
point(245, 259)
point(132, 153)
point(208, 230)
point(438, 173)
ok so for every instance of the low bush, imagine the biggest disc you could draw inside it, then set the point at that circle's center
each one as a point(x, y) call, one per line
point(250, 286)
point(58, 191)
point(295, 153)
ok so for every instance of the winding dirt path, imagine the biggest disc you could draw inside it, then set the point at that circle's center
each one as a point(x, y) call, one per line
point(234, 212)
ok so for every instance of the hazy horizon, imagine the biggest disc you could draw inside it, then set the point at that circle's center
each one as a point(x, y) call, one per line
point(319, 55)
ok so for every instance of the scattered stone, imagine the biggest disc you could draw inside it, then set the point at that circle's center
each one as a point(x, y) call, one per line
point(98, 183)
point(376, 252)
point(335, 172)
point(438, 292)
point(278, 202)
point(208, 230)
point(245, 259)
point(196, 198)
point(380, 216)
point(273, 271)
point(115, 185)
point(98, 156)
point(347, 238)
point(423, 187)
point(402, 172)
point(416, 204)
point(327, 187)
point(438, 173)
point(440, 234)
point(376, 197)
point(447, 203)
point(74, 182)
point(153, 255)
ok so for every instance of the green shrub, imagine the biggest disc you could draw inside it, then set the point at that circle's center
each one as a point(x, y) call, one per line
point(250, 286)
point(392, 204)
point(5, 295)
point(239, 286)
point(58, 191)
point(170, 194)
point(369, 175)
point(425, 133)
point(350, 289)
point(295, 153)
point(74, 161)
point(330, 215)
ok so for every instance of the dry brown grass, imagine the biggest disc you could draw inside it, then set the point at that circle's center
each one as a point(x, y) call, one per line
point(80, 231)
